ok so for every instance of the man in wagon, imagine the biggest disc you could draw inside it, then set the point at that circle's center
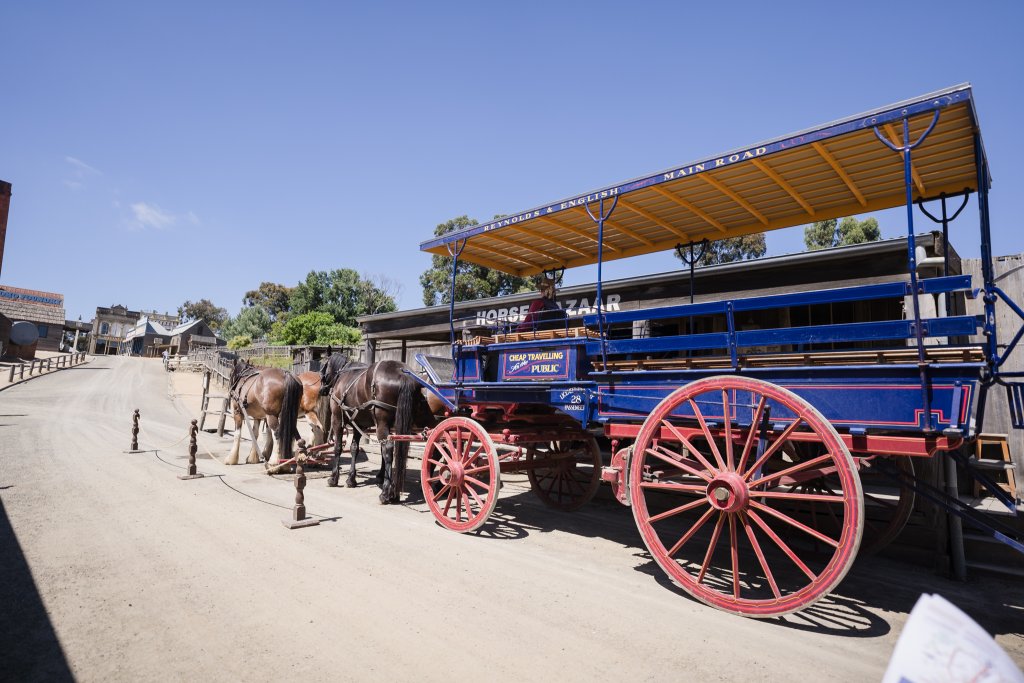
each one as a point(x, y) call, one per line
point(544, 313)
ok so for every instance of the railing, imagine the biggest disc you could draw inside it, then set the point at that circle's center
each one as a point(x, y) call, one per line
point(43, 365)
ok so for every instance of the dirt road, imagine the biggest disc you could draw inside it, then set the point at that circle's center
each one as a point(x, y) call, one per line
point(113, 569)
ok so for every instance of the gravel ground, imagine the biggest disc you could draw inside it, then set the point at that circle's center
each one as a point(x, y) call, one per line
point(116, 570)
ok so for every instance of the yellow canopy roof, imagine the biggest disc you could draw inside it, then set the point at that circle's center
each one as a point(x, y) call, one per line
point(838, 169)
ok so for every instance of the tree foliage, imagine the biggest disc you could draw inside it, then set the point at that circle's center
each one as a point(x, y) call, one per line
point(318, 328)
point(240, 341)
point(732, 249)
point(342, 294)
point(253, 322)
point(272, 297)
point(471, 281)
point(214, 316)
point(833, 233)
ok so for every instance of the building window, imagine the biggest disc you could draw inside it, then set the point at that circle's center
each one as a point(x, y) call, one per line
point(104, 328)
point(43, 331)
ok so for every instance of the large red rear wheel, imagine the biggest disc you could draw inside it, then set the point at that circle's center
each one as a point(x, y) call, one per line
point(460, 474)
point(716, 490)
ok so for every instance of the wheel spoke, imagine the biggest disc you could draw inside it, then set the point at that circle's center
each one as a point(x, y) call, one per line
point(752, 435)
point(782, 545)
point(440, 493)
point(711, 547)
point(794, 523)
point(790, 470)
point(477, 470)
point(669, 486)
point(679, 510)
point(475, 497)
point(707, 434)
point(689, 446)
point(770, 451)
point(760, 558)
point(689, 534)
point(734, 543)
point(476, 454)
point(807, 497)
point(448, 503)
point(477, 482)
point(458, 504)
point(676, 463)
point(727, 420)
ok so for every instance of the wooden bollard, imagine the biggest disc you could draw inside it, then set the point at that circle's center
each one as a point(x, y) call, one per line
point(299, 518)
point(135, 432)
point(192, 448)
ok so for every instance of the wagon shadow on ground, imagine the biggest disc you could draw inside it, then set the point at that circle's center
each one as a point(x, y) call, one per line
point(874, 585)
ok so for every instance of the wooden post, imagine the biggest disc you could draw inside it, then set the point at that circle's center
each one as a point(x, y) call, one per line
point(11, 378)
point(299, 518)
point(135, 432)
point(192, 448)
point(206, 399)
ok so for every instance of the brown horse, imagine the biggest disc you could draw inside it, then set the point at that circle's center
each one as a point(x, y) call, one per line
point(268, 394)
point(381, 397)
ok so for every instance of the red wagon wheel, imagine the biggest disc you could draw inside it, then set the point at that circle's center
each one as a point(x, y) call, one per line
point(719, 502)
point(565, 474)
point(460, 474)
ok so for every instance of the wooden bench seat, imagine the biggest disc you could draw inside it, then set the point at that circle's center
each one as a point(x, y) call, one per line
point(934, 354)
point(540, 335)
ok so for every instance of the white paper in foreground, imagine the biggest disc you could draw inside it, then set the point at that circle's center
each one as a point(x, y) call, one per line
point(941, 644)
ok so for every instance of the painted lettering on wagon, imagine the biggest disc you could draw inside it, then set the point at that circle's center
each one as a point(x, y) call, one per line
point(573, 307)
point(720, 161)
point(543, 363)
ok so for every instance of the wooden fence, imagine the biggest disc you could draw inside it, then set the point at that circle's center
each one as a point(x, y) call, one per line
point(43, 365)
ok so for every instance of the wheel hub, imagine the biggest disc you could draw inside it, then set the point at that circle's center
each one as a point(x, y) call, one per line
point(728, 492)
point(452, 474)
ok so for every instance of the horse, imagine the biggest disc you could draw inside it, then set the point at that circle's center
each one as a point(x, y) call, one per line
point(267, 394)
point(382, 396)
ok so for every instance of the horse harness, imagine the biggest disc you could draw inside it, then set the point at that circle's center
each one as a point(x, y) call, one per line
point(240, 388)
point(351, 412)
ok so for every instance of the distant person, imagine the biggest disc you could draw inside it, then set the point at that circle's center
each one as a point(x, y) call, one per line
point(165, 357)
point(544, 313)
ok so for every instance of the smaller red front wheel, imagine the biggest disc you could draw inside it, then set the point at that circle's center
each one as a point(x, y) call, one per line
point(460, 474)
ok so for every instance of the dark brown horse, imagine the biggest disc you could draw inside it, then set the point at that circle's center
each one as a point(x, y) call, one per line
point(382, 397)
point(267, 394)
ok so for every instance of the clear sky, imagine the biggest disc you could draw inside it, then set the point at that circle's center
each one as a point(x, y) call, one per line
point(169, 151)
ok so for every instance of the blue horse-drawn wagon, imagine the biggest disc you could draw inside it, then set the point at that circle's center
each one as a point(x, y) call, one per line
point(756, 461)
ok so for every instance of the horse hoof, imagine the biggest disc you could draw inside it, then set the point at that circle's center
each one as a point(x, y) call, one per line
point(350, 483)
point(332, 482)
point(384, 499)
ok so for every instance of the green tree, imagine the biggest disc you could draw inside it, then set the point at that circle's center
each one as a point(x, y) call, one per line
point(342, 294)
point(833, 233)
point(317, 327)
point(239, 342)
point(471, 281)
point(214, 316)
point(253, 322)
point(732, 249)
point(271, 296)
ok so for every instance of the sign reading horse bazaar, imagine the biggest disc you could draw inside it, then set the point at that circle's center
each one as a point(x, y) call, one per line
point(544, 364)
point(572, 306)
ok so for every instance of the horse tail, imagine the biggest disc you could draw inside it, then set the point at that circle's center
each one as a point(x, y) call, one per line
point(287, 428)
point(405, 415)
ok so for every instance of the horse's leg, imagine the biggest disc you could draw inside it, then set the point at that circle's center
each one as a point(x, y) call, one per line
point(386, 477)
point(254, 452)
point(232, 458)
point(338, 433)
point(266, 447)
point(351, 481)
point(273, 425)
point(318, 429)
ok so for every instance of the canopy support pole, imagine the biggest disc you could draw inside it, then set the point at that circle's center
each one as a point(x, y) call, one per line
point(454, 250)
point(945, 221)
point(905, 150)
point(601, 217)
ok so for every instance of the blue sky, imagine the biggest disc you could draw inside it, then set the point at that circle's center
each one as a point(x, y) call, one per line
point(169, 151)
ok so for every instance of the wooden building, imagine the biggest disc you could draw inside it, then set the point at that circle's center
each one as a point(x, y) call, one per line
point(45, 310)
